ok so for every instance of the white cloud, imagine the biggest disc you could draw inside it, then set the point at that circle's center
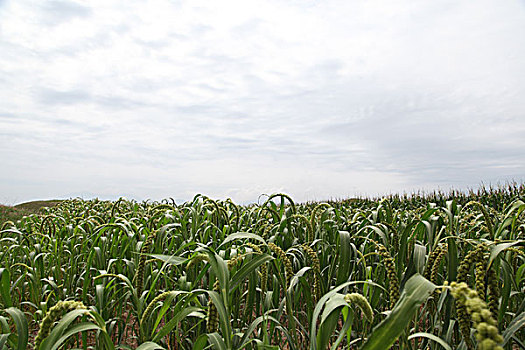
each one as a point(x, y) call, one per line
point(234, 98)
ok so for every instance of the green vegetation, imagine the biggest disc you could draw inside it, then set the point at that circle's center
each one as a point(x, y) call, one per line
point(436, 271)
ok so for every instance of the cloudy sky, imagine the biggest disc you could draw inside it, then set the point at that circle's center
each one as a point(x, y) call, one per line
point(319, 99)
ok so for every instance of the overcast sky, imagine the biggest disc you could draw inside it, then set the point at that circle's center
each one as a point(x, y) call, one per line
point(319, 99)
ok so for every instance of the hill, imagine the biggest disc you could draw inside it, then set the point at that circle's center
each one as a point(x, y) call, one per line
point(14, 213)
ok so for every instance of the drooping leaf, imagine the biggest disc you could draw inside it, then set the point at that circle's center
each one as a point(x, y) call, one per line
point(433, 337)
point(21, 327)
point(416, 291)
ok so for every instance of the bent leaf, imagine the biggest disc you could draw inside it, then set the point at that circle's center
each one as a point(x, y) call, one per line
point(416, 291)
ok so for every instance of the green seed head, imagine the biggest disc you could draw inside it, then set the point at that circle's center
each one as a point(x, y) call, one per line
point(54, 315)
point(284, 259)
point(487, 333)
point(199, 257)
point(362, 303)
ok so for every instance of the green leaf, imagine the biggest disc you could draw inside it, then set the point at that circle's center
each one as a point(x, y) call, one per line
point(419, 257)
point(5, 285)
point(345, 331)
point(169, 259)
point(21, 327)
point(296, 277)
point(326, 329)
point(329, 319)
point(245, 339)
point(246, 269)
point(242, 235)
point(453, 261)
point(174, 321)
point(433, 337)
point(3, 340)
point(224, 316)
point(416, 263)
point(216, 341)
point(149, 346)
point(335, 302)
point(81, 327)
point(498, 248)
point(416, 291)
point(201, 342)
point(221, 270)
point(343, 270)
point(321, 303)
point(513, 327)
point(380, 233)
point(60, 328)
point(165, 306)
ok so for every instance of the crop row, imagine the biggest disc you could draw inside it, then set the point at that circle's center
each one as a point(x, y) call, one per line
point(368, 274)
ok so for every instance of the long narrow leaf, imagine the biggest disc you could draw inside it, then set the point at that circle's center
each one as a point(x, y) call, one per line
point(417, 290)
point(21, 326)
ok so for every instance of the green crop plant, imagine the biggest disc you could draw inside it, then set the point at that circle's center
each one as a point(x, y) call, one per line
point(423, 271)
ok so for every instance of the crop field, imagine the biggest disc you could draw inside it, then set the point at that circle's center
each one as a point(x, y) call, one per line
point(433, 271)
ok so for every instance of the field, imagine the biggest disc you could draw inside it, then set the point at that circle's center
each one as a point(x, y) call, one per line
point(434, 271)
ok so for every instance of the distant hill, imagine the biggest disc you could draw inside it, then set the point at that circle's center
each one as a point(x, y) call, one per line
point(13, 213)
point(36, 205)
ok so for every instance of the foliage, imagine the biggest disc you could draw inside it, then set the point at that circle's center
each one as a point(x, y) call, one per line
point(212, 274)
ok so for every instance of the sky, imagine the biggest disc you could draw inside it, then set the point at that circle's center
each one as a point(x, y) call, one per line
point(318, 99)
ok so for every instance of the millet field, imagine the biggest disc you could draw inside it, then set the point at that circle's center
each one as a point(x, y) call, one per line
point(422, 271)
